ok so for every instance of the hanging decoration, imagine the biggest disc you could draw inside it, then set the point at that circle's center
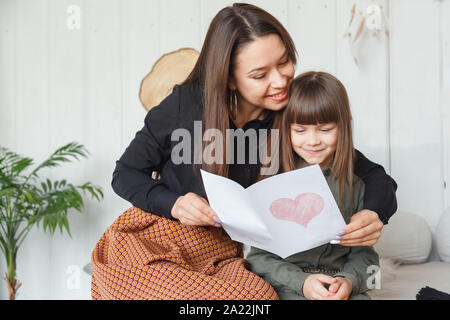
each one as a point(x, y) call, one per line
point(370, 22)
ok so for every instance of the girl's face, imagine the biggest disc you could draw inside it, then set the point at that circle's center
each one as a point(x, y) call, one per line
point(263, 73)
point(315, 144)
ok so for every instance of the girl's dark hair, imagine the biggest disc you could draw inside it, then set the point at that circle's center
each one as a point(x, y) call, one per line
point(319, 97)
point(231, 29)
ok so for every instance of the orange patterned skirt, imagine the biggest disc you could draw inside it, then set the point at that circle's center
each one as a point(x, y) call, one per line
point(144, 256)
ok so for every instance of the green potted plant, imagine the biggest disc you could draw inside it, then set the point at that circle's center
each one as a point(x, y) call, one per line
point(26, 201)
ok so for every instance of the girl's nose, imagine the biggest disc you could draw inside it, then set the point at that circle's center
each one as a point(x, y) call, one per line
point(313, 139)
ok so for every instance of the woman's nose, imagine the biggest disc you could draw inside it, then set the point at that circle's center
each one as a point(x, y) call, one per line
point(278, 80)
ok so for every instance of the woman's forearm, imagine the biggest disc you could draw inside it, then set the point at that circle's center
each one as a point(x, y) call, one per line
point(380, 188)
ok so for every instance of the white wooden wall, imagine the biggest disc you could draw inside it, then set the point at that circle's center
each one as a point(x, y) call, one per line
point(59, 85)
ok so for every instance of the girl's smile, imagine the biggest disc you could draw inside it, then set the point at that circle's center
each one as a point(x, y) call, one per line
point(314, 152)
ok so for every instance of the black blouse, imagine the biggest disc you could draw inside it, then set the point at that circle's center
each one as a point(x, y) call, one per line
point(152, 147)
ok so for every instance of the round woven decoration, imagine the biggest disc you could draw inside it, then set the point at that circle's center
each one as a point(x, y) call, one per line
point(171, 69)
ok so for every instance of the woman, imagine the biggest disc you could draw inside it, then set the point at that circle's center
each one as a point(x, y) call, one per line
point(169, 245)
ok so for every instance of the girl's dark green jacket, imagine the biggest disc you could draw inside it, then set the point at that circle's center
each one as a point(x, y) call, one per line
point(355, 263)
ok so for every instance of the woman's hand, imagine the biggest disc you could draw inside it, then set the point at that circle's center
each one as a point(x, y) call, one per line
point(314, 286)
point(364, 229)
point(193, 210)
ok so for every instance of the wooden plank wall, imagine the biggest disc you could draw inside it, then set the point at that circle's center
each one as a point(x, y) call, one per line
point(59, 85)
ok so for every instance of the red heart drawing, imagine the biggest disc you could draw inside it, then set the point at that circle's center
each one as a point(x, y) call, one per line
point(301, 210)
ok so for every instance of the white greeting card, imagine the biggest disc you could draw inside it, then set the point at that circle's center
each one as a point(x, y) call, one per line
point(284, 214)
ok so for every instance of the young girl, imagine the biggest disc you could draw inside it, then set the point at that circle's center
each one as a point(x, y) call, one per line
point(317, 129)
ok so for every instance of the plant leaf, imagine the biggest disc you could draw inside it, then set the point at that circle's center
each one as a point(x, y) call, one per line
point(21, 165)
point(64, 154)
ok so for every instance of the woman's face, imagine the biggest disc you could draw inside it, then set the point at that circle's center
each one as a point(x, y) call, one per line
point(263, 73)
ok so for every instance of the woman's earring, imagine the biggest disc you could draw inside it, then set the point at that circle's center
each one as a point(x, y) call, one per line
point(233, 104)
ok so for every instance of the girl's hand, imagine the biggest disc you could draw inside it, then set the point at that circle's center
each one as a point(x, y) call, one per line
point(193, 210)
point(313, 287)
point(341, 290)
point(364, 229)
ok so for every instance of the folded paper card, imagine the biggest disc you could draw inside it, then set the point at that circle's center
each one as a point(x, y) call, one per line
point(284, 214)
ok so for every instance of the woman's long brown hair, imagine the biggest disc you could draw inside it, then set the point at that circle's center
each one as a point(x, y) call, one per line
point(232, 29)
point(319, 97)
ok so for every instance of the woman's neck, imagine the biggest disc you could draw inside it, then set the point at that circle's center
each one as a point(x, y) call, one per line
point(246, 113)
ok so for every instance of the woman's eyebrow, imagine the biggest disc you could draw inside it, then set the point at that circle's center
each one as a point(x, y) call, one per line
point(258, 69)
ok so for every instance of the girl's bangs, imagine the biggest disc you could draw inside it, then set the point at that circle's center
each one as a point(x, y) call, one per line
point(312, 107)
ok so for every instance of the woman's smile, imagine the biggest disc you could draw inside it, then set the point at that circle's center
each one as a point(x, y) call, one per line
point(281, 96)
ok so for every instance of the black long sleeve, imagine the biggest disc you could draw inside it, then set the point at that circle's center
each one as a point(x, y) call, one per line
point(152, 148)
point(149, 150)
point(380, 188)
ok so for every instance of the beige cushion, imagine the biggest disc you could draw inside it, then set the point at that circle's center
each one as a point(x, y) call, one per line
point(443, 236)
point(407, 239)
